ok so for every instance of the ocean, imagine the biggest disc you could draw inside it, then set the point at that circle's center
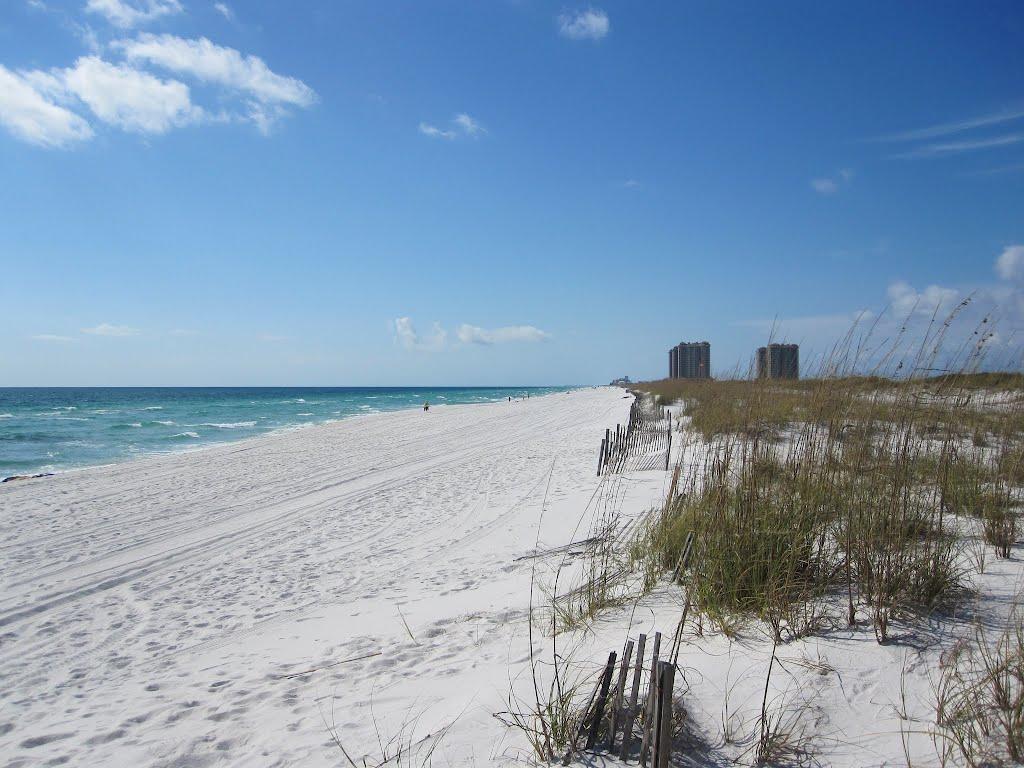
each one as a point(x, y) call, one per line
point(50, 430)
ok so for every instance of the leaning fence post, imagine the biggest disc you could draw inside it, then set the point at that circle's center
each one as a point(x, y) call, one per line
point(606, 681)
point(600, 458)
point(627, 654)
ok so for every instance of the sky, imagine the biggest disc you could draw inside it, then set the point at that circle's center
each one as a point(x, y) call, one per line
point(495, 192)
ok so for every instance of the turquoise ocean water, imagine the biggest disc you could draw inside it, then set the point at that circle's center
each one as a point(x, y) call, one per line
point(49, 430)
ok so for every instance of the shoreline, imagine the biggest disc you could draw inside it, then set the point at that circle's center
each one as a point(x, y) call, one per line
point(46, 472)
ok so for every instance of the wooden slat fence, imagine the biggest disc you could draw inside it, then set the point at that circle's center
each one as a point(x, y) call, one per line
point(644, 443)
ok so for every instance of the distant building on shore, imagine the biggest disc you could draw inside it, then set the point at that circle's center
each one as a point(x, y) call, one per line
point(690, 360)
point(778, 361)
point(622, 381)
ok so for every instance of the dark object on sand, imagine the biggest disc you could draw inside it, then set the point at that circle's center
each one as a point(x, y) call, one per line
point(426, 406)
point(26, 477)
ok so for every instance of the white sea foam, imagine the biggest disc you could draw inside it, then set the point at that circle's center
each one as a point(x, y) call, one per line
point(186, 434)
point(6, 415)
point(165, 423)
point(303, 414)
point(153, 408)
point(225, 425)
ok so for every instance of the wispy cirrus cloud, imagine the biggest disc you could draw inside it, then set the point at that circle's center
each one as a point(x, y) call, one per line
point(959, 126)
point(944, 140)
point(461, 125)
point(589, 24)
point(132, 13)
point(434, 132)
point(959, 147)
point(107, 329)
point(224, 10)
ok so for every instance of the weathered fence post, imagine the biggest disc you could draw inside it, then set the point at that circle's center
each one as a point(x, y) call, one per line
point(606, 681)
point(627, 654)
point(663, 716)
point(652, 689)
point(634, 694)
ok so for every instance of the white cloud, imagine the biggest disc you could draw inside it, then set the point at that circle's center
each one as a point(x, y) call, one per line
point(219, 65)
point(824, 186)
point(224, 10)
point(1010, 263)
point(905, 299)
point(631, 184)
point(468, 125)
point(461, 124)
point(434, 132)
point(829, 185)
point(131, 13)
point(51, 337)
point(32, 116)
point(590, 24)
point(106, 329)
point(406, 335)
point(472, 334)
point(128, 98)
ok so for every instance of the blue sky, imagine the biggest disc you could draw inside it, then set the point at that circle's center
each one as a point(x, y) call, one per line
point(493, 192)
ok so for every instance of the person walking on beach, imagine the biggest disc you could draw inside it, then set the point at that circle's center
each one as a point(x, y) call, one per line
point(426, 405)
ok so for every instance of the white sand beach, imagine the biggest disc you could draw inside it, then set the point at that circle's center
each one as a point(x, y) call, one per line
point(205, 608)
point(151, 611)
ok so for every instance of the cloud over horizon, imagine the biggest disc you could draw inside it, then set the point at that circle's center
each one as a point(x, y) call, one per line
point(407, 336)
point(106, 329)
point(472, 334)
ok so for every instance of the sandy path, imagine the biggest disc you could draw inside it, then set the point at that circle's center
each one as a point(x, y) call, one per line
point(149, 611)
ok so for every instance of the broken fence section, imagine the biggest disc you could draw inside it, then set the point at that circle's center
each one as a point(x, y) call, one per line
point(616, 711)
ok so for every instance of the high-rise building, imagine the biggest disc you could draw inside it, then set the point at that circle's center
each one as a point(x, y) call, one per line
point(690, 360)
point(778, 361)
